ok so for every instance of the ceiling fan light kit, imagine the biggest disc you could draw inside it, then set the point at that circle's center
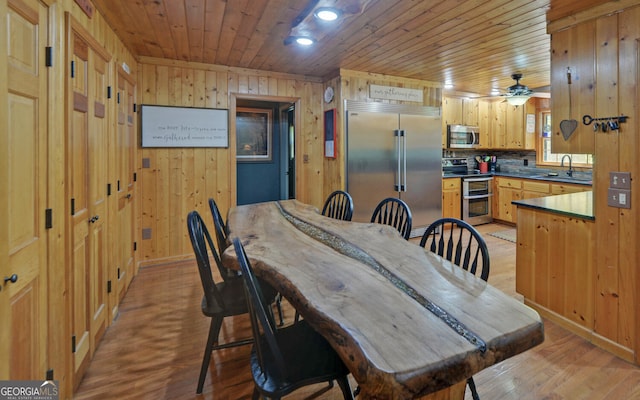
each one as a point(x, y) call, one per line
point(518, 94)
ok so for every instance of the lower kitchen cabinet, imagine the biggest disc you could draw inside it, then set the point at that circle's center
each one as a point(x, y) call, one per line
point(452, 197)
point(508, 189)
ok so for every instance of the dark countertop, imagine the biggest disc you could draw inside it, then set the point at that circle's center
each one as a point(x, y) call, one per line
point(542, 176)
point(578, 205)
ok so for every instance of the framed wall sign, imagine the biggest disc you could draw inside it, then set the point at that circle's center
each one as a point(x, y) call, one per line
point(330, 133)
point(253, 134)
point(166, 126)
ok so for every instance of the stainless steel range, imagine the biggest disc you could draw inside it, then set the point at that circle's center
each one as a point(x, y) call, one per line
point(477, 191)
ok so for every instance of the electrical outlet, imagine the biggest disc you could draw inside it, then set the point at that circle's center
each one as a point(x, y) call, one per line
point(620, 198)
point(620, 180)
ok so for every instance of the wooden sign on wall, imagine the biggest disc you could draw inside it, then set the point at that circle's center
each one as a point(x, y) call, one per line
point(395, 93)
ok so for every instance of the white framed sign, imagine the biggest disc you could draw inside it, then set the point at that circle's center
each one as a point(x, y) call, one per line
point(395, 93)
point(167, 126)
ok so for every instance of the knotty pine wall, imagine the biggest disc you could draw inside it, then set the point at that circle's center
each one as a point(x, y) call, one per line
point(180, 180)
point(617, 75)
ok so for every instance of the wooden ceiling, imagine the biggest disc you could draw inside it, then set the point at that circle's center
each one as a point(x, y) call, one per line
point(476, 44)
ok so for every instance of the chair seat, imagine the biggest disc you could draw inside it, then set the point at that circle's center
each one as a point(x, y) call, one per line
point(232, 291)
point(308, 356)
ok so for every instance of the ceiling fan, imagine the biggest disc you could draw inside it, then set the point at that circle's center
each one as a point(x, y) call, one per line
point(517, 94)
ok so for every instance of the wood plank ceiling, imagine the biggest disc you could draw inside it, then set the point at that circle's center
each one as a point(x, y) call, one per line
point(475, 44)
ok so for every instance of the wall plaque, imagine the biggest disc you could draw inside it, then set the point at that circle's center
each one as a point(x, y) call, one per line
point(395, 93)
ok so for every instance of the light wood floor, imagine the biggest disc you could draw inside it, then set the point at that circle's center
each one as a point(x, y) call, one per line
point(154, 349)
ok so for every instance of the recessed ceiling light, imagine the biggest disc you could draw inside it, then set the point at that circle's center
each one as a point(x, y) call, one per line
point(304, 41)
point(327, 13)
point(448, 85)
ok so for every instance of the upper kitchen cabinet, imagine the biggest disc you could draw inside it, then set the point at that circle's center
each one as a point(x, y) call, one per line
point(508, 125)
point(573, 86)
point(458, 111)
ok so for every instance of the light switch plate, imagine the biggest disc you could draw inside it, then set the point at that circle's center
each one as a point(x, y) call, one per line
point(620, 180)
point(620, 198)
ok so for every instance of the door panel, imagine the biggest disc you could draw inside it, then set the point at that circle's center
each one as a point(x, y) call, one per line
point(87, 152)
point(26, 158)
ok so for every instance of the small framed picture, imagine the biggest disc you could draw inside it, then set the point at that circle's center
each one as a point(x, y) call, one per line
point(253, 134)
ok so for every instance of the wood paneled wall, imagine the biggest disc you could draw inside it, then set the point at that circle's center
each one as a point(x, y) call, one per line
point(617, 71)
point(179, 180)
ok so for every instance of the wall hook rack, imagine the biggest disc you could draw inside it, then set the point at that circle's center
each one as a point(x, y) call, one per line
point(587, 119)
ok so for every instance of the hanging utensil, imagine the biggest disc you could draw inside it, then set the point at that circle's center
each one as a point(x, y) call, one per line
point(568, 126)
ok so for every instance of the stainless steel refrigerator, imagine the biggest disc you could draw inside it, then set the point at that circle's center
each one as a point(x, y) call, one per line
point(395, 151)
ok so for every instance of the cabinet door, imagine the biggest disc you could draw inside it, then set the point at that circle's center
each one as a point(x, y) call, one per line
point(499, 125)
point(470, 112)
point(515, 126)
point(484, 123)
point(451, 114)
point(451, 198)
point(573, 48)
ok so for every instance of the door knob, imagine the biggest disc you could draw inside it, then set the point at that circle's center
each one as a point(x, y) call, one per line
point(13, 278)
point(128, 196)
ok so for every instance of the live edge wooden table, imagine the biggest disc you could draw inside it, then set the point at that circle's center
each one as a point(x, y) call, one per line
point(407, 323)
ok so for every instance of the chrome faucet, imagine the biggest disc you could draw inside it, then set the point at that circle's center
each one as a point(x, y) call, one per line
point(570, 171)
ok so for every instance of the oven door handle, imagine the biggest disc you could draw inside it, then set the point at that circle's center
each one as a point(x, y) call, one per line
point(483, 179)
point(482, 196)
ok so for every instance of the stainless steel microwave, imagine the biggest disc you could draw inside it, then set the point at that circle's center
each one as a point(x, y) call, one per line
point(462, 137)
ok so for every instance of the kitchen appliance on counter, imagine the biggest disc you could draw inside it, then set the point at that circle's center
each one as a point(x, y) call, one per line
point(463, 137)
point(454, 166)
point(477, 192)
point(394, 150)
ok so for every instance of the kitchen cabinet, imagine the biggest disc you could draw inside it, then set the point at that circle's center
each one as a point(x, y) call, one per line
point(573, 48)
point(508, 125)
point(457, 110)
point(508, 189)
point(452, 198)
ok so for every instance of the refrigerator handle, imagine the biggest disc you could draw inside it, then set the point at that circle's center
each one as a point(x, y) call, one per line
point(398, 185)
point(403, 188)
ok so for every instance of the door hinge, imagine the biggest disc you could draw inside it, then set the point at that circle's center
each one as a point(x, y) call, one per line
point(118, 273)
point(49, 376)
point(109, 286)
point(48, 56)
point(73, 206)
point(48, 218)
point(108, 92)
point(135, 107)
point(108, 189)
point(135, 176)
point(73, 69)
point(73, 343)
point(118, 185)
point(118, 98)
point(135, 246)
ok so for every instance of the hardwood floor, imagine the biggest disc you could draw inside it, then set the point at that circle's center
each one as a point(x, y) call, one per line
point(154, 349)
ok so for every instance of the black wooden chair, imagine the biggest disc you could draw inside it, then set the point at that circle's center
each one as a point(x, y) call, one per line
point(221, 238)
point(339, 205)
point(286, 359)
point(220, 299)
point(395, 212)
point(460, 243)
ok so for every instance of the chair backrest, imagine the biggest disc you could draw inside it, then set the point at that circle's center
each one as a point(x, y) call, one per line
point(458, 242)
point(219, 225)
point(395, 212)
point(200, 239)
point(339, 205)
point(261, 315)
